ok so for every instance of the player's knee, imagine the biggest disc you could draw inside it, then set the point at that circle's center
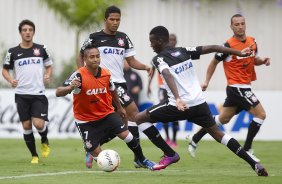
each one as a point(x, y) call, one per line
point(224, 120)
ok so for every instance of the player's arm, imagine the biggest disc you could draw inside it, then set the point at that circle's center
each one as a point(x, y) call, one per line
point(6, 74)
point(72, 84)
point(48, 74)
point(217, 48)
point(150, 82)
point(172, 86)
point(210, 71)
point(134, 63)
point(260, 61)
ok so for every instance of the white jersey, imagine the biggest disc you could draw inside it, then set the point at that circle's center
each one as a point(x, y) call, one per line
point(113, 50)
point(179, 62)
point(28, 65)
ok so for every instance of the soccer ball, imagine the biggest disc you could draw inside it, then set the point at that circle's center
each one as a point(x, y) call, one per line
point(108, 160)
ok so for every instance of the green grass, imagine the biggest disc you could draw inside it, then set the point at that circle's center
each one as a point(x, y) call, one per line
point(214, 165)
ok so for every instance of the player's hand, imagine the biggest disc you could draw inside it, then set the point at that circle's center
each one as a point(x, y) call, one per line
point(182, 106)
point(247, 51)
point(75, 83)
point(46, 79)
point(266, 61)
point(204, 86)
point(14, 83)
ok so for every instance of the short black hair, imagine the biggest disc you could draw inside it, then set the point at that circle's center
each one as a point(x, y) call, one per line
point(236, 15)
point(161, 32)
point(111, 9)
point(26, 22)
point(88, 47)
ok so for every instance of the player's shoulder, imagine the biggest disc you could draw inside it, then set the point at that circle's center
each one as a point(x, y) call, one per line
point(105, 71)
point(120, 33)
point(14, 49)
point(250, 38)
point(37, 45)
point(96, 34)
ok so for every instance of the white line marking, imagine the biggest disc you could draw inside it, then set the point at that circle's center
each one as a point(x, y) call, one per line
point(65, 173)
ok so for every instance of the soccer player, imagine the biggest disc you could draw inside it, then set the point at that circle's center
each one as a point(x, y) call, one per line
point(93, 92)
point(239, 72)
point(114, 47)
point(32, 68)
point(186, 101)
point(164, 98)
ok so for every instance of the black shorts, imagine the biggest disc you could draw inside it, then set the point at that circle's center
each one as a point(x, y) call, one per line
point(199, 114)
point(242, 98)
point(32, 106)
point(92, 132)
point(124, 98)
point(163, 97)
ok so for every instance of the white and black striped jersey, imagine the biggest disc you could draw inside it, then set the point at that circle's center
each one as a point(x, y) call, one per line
point(113, 50)
point(179, 62)
point(28, 65)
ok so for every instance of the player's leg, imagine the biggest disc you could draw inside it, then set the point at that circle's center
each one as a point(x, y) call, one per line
point(39, 110)
point(143, 119)
point(166, 125)
point(23, 108)
point(259, 116)
point(30, 141)
point(247, 100)
point(163, 97)
point(236, 148)
point(91, 134)
point(115, 124)
point(134, 145)
point(224, 117)
point(175, 128)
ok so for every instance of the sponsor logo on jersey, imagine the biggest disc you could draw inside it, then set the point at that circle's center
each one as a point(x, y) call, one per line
point(183, 67)
point(96, 91)
point(36, 52)
point(252, 55)
point(120, 42)
point(29, 61)
point(113, 51)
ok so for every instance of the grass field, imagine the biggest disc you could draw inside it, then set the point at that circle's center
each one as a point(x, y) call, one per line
point(214, 165)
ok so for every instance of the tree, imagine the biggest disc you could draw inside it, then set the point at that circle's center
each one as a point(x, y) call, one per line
point(81, 15)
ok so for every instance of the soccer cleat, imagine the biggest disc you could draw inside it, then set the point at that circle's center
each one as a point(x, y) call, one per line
point(138, 164)
point(45, 150)
point(173, 144)
point(168, 141)
point(260, 170)
point(88, 160)
point(153, 166)
point(34, 160)
point(166, 160)
point(192, 146)
point(251, 154)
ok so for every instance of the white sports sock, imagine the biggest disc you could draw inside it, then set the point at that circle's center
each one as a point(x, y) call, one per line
point(225, 139)
point(144, 126)
point(216, 118)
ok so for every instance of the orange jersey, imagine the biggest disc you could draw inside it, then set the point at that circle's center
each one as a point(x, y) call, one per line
point(240, 70)
point(94, 101)
point(160, 81)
